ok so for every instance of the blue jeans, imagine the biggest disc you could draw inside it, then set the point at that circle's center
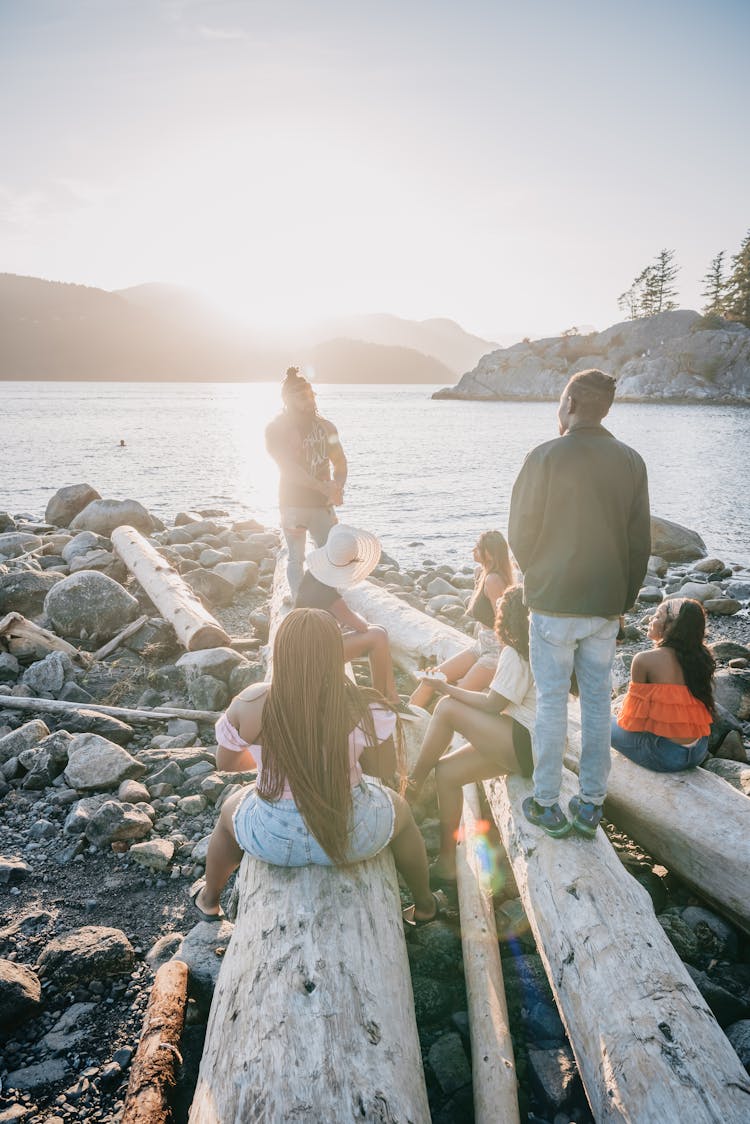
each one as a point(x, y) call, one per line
point(295, 523)
point(558, 646)
point(661, 755)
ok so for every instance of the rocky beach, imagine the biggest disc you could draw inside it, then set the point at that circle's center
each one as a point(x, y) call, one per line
point(105, 818)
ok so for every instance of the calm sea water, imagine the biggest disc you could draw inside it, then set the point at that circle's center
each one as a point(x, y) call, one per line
point(426, 476)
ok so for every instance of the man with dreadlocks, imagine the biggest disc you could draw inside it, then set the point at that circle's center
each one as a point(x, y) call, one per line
point(306, 448)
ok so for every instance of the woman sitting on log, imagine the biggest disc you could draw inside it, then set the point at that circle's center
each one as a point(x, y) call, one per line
point(347, 558)
point(312, 735)
point(667, 712)
point(474, 668)
point(495, 722)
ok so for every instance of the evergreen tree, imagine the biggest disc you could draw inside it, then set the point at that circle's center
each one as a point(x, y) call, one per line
point(653, 290)
point(715, 287)
point(738, 285)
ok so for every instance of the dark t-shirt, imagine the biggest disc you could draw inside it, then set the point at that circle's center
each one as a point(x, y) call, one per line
point(314, 594)
point(308, 446)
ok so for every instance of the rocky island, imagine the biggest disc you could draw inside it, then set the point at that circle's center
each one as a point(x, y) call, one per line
point(674, 357)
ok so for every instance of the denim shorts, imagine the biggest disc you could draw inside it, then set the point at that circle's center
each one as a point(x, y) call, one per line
point(661, 755)
point(275, 831)
point(486, 648)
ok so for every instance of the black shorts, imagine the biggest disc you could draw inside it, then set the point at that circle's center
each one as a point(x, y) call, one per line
point(522, 746)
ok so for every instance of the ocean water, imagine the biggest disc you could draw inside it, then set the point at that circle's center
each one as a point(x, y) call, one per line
point(426, 476)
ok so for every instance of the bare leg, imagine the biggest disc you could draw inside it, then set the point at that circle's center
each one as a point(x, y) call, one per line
point(453, 669)
point(224, 856)
point(374, 644)
point(477, 678)
point(440, 730)
point(410, 857)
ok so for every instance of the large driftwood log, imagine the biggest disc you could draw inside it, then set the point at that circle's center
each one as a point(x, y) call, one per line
point(647, 1046)
point(127, 714)
point(492, 1061)
point(153, 1073)
point(695, 823)
point(313, 1017)
point(175, 600)
point(23, 638)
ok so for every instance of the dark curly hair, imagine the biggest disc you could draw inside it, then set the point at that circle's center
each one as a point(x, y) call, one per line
point(512, 621)
point(683, 632)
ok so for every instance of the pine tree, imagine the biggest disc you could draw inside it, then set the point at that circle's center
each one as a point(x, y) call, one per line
point(663, 276)
point(738, 285)
point(715, 287)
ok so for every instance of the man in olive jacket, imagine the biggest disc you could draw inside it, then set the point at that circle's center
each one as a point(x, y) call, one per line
point(580, 530)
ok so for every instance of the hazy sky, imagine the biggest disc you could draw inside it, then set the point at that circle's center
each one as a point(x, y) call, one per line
point(510, 165)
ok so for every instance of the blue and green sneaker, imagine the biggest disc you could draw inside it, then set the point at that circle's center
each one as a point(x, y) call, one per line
point(552, 820)
point(586, 816)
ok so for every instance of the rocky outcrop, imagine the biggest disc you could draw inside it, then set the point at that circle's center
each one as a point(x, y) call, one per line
point(673, 357)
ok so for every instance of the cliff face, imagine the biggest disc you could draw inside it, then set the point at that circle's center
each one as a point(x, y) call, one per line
point(671, 357)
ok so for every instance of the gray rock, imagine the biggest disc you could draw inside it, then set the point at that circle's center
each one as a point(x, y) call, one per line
point(7, 522)
point(722, 606)
point(83, 721)
point(132, 792)
point(440, 586)
point(554, 1073)
point(33, 1077)
point(202, 950)
point(103, 561)
point(213, 590)
point(242, 575)
point(15, 543)
point(674, 542)
point(740, 590)
point(13, 870)
point(79, 816)
point(46, 677)
point(89, 604)
point(69, 1030)
point(724, 650)
point(67, 502)
point(90, 953)
point(10, 668)
point(650, 595)
point(218, 662)
point(432, 1001)
point(207, 693)
point(698, 591)
point(260, 622)
point(248, 552)
point(210, 557)
point(681, 935)
point(449, 1063)
point(731, 690)
point(727, 1008)
point(245, 675)
point(739, 1035)
point(95, 763)
point(164, 949)
point(85, 542)
point(733, 772)
point(102, 516)
point(46, 760)
point(714, 935)
point(156, 854)
point(116, 822)
point(24, 591)
point(26, 736)
point(20, 993)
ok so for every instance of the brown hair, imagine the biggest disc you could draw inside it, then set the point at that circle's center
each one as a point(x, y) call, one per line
point(512, 621)
point(493, 545)
point(593, 392)
point(310, 710)
point(683, 632)
point(293, 382)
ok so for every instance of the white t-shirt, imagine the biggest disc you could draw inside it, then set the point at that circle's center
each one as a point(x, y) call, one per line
point(514, 681)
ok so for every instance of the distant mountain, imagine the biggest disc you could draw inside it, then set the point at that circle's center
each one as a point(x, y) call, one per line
point(358, 362)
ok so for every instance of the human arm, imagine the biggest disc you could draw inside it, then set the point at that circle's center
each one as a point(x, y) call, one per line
point(239, 728)
point(526, 509)
point(494, 588)
point(339, 464)
point(489, 702)
point(639, 535)
point(639, 667)
point(346, 616)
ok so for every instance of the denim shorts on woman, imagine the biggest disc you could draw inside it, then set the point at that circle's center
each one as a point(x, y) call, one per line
point(661, 755)
point(276, 833)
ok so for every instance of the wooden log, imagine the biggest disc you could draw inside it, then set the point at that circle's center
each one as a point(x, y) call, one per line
point(193, 624)
point(646, 1043)
point(693, 822)
point(492, 1062)
point(312, 1017)
point(154, 1068)
point(24, 638)
point(113, 644)
point(127, 714)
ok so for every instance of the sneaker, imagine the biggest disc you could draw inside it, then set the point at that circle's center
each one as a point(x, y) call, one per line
point(586, 816)
point(552, 820)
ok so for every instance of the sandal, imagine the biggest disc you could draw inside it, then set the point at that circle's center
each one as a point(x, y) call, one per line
point(194, 892)
point(412, 922)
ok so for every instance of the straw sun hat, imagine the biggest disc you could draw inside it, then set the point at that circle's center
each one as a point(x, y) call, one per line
point(348, 557)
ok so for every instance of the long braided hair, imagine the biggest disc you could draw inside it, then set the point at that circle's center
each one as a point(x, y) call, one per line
point(310, 710)
point(683, 632)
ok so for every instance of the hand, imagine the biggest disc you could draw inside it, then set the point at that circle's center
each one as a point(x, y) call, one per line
point(337, 496)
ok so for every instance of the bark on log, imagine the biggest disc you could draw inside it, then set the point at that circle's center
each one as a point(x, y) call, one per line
point(127, 714)
point(24, 638)
point(646, 1043)
point(693, 822)
point(493, 1065)
point(153, 1072)
point(312, 1017)
point(175, 600)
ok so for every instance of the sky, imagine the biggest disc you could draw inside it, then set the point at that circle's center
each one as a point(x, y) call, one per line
point(510, 166)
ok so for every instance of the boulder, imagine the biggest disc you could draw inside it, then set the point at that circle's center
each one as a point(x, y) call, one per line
point(213, 590)
point(26, 736)
point(203, 950)
point(440, 586)
point(156, 854)
point(115, 822)
point(731, 691)
point(83, 721)
point(722, 606)
point(46, 760)
point(242, 575)
point(10, 668)
point(132, 792)
point(90, 953)
point(20, 993)
point(739, 1035)
point(79, 816)
point(89, 604)
point(85, 542)
point(33, 1077)
point(554, 1073)
point(449, 1063)
point(95, 763)
point(46, 678)
point(13, 870)
point(67, 502)
point(102, 516)
point(24, 591)
point(208, 693)
point(69, 1030)
point(14, 543)
point(219, 662)
point(7, 522)
point(674, 542)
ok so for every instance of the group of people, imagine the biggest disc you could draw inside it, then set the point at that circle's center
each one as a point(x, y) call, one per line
point(329, 754)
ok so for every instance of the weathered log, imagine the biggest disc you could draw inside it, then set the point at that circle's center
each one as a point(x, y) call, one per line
point(193, 624)
point(312, 1017)
point(113, 644)
point(153, 1072)
point(646, 1043)
point(127, 714)
point(24, 638)
point(492, 1061)
point(695, 823)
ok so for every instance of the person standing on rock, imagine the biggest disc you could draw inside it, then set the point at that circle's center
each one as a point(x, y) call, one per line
point(580, 530)
point(306, 448)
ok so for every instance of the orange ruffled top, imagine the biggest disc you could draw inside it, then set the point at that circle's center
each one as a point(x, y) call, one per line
point(666, 709)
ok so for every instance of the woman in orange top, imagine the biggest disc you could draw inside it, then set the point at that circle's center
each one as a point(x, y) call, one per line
point(666, 716)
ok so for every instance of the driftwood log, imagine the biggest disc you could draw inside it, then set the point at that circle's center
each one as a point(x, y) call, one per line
point(492, 1062)
point(113, 644)
point(154, 1068)
point(23, 638)
point(646, 1043)
point(193, 624)
point(126, 714)
point(313, 1017)
point(695, 823)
